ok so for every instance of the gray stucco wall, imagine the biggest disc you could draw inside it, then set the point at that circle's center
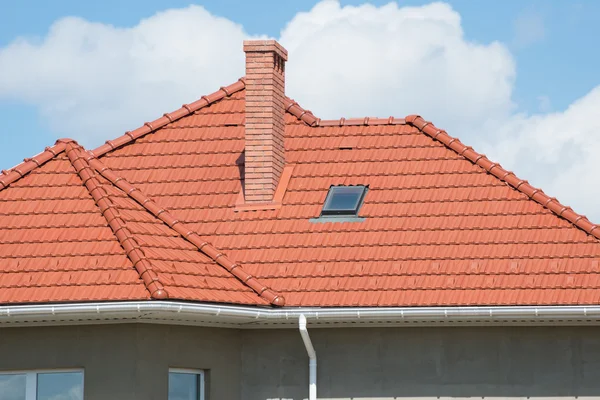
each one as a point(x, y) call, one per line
point(131, 361)
point(127, 362)
point(391, 363)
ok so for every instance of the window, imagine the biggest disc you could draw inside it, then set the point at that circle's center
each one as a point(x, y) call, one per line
point(186, 384)
point(41, 385)
point(342, 204)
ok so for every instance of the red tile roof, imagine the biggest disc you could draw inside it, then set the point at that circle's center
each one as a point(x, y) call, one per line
point(74, 231)
point(443, 224)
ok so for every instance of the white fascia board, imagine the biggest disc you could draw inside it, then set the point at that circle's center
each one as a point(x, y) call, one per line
point(257, 317)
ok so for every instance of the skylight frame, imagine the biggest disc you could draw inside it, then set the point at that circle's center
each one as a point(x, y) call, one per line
point(328, 212)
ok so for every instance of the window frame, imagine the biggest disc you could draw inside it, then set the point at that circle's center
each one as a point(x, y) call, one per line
point(341, 215)
point(199, 372)
point(343, 212)
point(31, 378)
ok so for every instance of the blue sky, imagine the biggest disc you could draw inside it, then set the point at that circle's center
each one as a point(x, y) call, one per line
point(547, 47)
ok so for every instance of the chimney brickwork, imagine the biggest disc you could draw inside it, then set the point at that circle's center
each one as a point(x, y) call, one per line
point(265, 128)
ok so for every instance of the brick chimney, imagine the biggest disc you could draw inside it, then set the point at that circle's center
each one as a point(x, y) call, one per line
point(265, 92)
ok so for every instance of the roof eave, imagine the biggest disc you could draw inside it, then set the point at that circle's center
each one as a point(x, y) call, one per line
point(229, 316)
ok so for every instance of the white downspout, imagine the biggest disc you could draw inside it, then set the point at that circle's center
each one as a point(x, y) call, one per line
point(312, 358)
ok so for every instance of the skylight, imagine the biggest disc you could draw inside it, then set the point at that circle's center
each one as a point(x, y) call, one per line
point(342, 203)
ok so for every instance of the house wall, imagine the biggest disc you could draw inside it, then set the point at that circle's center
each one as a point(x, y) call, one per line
point(130, 362)
point(422, 363)
point(127, 362)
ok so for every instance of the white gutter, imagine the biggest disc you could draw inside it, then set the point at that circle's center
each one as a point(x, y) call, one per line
point(312, 358)
point(148, 311)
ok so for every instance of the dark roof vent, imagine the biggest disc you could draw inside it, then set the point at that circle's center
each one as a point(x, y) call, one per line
point(343, 204)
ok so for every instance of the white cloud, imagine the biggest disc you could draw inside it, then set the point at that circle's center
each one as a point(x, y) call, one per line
point(382, 61)
point(93, 81)
point(12, 386)
point(75, 392)
point(556, 151)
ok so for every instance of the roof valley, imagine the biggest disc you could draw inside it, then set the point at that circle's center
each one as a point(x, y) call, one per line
point(109, 210)
point(201, 244)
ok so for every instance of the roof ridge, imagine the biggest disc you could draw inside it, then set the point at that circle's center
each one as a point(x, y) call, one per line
point(224, 91)
point(109, 210)
point(508, 177)
point(187, 109)
point(167, 118)
point(366, 121)
point(308, 117)
point(203, 246)
point(303, 115)
point(10, 176)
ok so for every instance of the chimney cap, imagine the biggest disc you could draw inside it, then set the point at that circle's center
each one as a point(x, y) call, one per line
point(265, 46)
